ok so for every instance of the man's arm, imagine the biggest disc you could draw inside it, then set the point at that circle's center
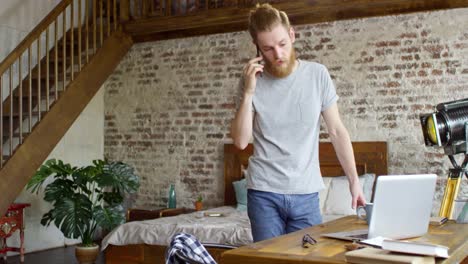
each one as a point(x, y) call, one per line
point(241, 126)
point(344, 150)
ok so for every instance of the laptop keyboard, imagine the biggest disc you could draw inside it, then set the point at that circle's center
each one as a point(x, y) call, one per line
point(360, 236)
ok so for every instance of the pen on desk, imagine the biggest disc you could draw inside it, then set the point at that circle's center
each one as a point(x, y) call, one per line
point(308, 241)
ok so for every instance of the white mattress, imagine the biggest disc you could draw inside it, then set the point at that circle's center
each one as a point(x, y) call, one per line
point(231, 229)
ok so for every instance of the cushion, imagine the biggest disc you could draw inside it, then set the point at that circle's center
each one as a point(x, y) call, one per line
point(240, 187)
point(324, 193)
point(338, 201)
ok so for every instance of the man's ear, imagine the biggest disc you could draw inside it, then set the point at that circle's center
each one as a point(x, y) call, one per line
point(292, 34)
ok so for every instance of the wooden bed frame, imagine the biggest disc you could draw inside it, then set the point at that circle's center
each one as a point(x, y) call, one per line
point(371, 157)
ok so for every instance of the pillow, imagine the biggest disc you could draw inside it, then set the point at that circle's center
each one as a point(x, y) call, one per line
point(240, 187)
point(324, 193)
point(338, 201)
point(367, 185)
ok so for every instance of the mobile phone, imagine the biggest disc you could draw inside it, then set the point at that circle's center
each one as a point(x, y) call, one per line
point(258, 55)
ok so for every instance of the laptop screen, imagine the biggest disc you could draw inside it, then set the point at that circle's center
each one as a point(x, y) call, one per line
point(402, 205)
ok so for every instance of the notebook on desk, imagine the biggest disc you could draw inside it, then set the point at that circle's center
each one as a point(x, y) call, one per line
point(402, 208)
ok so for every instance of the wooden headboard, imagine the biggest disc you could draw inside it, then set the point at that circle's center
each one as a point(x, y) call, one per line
point(371, 157)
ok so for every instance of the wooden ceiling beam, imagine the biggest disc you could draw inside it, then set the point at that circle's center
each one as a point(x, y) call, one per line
point(300, 12)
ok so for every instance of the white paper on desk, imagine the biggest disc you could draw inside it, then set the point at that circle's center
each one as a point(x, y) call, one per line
point(376, 241)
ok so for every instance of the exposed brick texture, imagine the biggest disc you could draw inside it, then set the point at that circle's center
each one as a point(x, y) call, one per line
point(169, 103)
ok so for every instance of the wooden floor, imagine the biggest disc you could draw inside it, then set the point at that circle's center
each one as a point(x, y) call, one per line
point(64, 255)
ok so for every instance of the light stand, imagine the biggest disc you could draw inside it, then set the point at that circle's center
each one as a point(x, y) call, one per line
point(453, 183)
point(448, 128)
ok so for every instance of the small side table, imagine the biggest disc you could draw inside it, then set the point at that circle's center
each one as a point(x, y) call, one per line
point(13, 220)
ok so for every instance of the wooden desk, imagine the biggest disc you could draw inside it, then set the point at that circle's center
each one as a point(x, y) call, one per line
point(287, 248)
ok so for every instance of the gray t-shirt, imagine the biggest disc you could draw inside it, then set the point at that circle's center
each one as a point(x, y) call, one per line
point(286, 130)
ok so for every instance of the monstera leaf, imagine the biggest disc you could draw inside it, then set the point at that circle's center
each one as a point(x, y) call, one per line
point(58, 190)
point(109, 217)
point(72, 215)
point(119, 176)
point(51, 167)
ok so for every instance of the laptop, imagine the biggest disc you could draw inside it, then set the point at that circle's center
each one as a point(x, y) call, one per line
point(402, 208)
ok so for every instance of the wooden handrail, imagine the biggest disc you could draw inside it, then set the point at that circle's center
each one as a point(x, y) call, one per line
point(33, 35)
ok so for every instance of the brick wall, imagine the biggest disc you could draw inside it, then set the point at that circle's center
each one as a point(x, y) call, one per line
point(169, 103)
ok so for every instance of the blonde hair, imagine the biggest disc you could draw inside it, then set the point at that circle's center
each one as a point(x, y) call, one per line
point(264, 17)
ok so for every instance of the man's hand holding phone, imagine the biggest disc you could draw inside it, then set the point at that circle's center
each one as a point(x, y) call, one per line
point(251, 70)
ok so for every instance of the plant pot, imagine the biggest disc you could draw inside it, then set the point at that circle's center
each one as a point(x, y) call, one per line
point(198, 206)
point(86, 255)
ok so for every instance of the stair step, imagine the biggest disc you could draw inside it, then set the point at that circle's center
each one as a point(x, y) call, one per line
point(67, 54)
point(76, 69)
point(34, 88)
point(5, 158)
point(90, 33)
point(35, 93)
point(24, 115)
point(6, 126)
point(34, 107)
point(15, 135)
point(43, 77)
point(25, 108)
point(34, 101)
point(68, 50)
point(60, 61)
point(75, 34)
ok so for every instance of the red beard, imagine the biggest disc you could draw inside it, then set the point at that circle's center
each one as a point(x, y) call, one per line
point(283, 70)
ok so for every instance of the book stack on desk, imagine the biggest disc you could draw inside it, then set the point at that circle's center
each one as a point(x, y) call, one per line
point(438, 220)
point(395, 251)
point(375, 255)
point(411, 247)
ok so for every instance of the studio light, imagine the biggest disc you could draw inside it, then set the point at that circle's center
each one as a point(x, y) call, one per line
point(447, 127)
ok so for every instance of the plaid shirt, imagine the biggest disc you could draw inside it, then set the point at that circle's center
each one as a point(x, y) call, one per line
point(189, 247)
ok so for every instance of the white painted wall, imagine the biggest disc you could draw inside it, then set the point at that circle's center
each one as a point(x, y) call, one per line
point(18, 18)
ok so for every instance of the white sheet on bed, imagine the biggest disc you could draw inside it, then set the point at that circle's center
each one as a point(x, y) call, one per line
point(231, 229)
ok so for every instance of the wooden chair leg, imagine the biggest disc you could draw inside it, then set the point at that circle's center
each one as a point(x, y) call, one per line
point(4, 245)
point(22, 245)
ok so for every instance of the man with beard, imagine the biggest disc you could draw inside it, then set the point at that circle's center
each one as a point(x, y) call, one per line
point(281, 106)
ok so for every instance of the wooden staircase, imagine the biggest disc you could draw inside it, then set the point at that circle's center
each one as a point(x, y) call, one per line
point(47, 81)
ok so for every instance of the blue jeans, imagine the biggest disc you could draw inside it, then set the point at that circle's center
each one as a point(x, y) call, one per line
point(273, 214)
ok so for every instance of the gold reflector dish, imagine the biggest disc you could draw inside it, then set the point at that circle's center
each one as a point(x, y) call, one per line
point(431, 130)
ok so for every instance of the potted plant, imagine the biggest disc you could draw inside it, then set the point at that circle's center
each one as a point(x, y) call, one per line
point(84, 198)
point(199, 203)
